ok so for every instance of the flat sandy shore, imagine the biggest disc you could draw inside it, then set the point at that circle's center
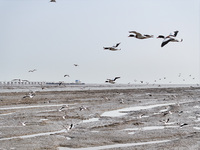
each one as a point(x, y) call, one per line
point(103, 117)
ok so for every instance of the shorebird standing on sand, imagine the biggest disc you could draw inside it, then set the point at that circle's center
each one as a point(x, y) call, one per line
point(165, 121)
point(63, 107)
point(69, 127)
point(82, 108)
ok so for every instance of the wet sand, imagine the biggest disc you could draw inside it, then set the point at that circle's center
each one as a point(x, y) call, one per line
point(103, 117)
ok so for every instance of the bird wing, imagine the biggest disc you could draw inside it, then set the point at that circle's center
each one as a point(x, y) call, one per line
point(113, 49)
point(139, 34)
point(148, 35)
point(175, 33)
point(106, 47)
point(116, 78)
point(116, 45)
point(166, 41)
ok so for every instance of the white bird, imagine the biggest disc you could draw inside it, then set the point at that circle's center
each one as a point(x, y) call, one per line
point(169, 38)
point(112, 81)
point(24, 123)
point(113, 48)
point(165, 121)
point(140, 116)
point(82, 108)
point(122, 101)
point(139, 35)
point(182, 124)
point(70, 127)
point(63, 107)
point(30, 95)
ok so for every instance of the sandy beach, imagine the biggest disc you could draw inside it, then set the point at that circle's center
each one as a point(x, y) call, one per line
point(110, 117)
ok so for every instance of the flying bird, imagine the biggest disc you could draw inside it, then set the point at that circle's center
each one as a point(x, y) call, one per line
point(139, 35)
point(112, 81)
point(76, 65)
point(66, 75)
point(113, 48)
point(52, 0)
point(32, 70)
point(71, 126)
point(183, 124)
point(30, 95)
point(169, 38)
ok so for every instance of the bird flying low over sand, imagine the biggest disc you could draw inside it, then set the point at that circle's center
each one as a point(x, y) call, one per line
point(30, 95)
point(113, 48)
point(139, 35)
point(170, 38)
point(112, 81)
point(32, 70)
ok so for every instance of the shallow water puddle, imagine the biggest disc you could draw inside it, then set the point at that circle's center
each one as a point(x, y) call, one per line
point(115, 145)
point(95, 131)
point(145, 128)
point(91, 120)
point(6, 114)
point(131, 133)
point(197, 128)
point(117, 113)
point(149, 128)
point(197, 120)
point(33, 135)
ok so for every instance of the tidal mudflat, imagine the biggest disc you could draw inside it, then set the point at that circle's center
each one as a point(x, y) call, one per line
point(101, 117)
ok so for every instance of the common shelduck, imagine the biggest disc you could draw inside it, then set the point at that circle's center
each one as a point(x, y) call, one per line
point(169, 38)
point(112, 81)
point(139, 35)
point(113, 48)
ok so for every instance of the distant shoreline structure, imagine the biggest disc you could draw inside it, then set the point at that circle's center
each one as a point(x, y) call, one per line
point(36, 83)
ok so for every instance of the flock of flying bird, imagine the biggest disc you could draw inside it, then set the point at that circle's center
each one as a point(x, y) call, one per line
point(169, 38)
point(166, 39)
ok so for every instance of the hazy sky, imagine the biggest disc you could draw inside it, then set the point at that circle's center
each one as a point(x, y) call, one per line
point(51, 37)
